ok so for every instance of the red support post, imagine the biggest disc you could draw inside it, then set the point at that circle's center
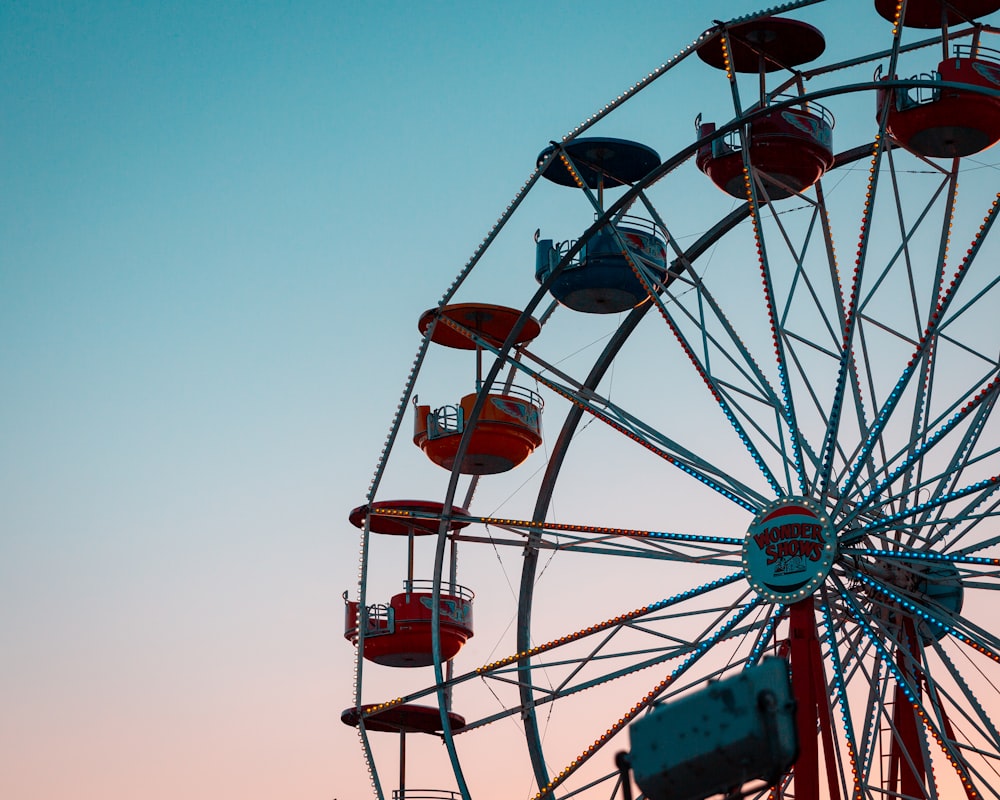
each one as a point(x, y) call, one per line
point(906, 755)
point(812, 709)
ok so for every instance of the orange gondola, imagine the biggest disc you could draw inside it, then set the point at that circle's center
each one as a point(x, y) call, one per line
point(507, 428)
point(507, 432)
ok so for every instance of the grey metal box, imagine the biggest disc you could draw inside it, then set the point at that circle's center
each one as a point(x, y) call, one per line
point(717, 738)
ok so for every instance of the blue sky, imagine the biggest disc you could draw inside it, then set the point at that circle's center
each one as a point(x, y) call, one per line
point(218, 226)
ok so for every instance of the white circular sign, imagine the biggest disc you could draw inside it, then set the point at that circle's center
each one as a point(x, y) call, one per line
point(789, 549)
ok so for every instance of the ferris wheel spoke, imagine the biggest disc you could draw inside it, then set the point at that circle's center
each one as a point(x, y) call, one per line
point(871, 719)
point(979, 491)
point(755, 422)
point(907, 232)
point(721, 633)
point(732, 348)
point(917, 517)
point(858, 385)
point(950, 531)
point(687, 460)
point(958, 742)
point(803, 297)
point(911, 690)
point(847, 367)
point(932, 557)
point(848, 384)
point(861, 301)
point(966, 345)
point(602, 540)
point(599, 650)
point(724, 627)
point(792, 343)
point(690, 552)
point(637, 661)
point(968, 707)
point(733, 351)
point(639, 619)
point(780, 356)
point(939, 314)
point(966, 523)
point(928, 531)
point(854, 645)
point(892, 538)
point(977, 405)
point(965, 527)
point(715, 477)
point(857, 649)
point(975, 637)
point(765, 635)
point(947, 485)
point(702, 365)
point(731, 397)
point(613, 778)
point(953, 624)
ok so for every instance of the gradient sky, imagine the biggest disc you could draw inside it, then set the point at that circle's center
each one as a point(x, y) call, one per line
point(219, 223)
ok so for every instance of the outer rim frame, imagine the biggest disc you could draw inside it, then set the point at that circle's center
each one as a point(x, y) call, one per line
point(741, 217)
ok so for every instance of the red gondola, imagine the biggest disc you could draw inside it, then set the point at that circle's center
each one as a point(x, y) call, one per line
point(791, 146)
point(939, 121)
point(405, 718)
point(935, 13)
point(790, 149)
point(398, 633)
point(402, 719)
point(406, 517)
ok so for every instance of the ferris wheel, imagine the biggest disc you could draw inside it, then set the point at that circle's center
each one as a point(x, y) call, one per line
point(741, 406)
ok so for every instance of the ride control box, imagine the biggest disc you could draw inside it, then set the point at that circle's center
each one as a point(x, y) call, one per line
point(718, 738)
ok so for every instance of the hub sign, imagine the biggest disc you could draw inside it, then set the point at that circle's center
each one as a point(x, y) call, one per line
point(789, 549)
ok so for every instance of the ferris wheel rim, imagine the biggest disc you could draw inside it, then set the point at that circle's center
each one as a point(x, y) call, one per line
point(559, 451)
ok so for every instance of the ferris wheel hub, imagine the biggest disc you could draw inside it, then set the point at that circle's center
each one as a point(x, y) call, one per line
point(789, 549)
